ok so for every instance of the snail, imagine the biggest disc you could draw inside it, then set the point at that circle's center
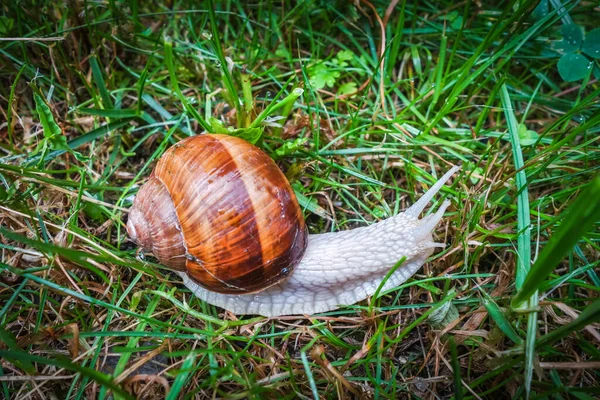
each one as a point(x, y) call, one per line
point(219, 212)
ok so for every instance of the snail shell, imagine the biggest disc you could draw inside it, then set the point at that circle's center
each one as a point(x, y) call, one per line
point(220, 210)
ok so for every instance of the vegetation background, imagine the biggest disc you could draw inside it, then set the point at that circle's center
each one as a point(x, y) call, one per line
point(363, 104)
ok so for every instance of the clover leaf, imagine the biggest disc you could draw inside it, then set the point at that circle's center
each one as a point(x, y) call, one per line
point(591, 45)
point(572, 38)
point(527, 137)
point(573, 67)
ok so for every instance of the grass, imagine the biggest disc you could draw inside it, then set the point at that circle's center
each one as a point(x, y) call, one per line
point(363, 106)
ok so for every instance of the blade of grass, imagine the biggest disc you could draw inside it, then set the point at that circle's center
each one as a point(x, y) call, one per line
point(168, 46)
point(500, 319)
point(115, 113)
point(289, 99)
point(523, 216)
point(99, 303)
point(375, 297)
point(307, 370)
point(458, 391)
point(227, 77)
point(577, 220)
point(132, 344)
point(62, 362)
point(11, 300)
point(524, 234)
point(100, 84)
point(182, 377)
point(99, 339)
point(9, 111)
point(439, 74)
point(20, 362)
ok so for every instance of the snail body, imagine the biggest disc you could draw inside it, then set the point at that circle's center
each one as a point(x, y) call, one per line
point(221, 214)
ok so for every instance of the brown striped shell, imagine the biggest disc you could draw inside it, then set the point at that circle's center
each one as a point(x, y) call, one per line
point(220, 209)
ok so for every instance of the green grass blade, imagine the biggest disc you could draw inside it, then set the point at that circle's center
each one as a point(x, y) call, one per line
point(182, 377)
point(10, 301)
point(458, 391)
point(132, 344)
point(289, 99)
point(227, 77)
point(9, 111)
point(168, 46)
point(577, 220)
point(114, 113)
point(382, 284)
point(524, 235)
point(10, 341)
point(50, 126)
point(523, 216)
point(500, 319)
point(307, 370)
point(439, 73)
point(100, 84)
point(62, 362)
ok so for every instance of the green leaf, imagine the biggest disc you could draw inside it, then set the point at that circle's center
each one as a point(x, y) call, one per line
point(94, 211)
point(309, 203)
point(290, 147)
point(577, 220)
point(251, 135)
point(59, 142)
point(541, 10)
point(320, 76)
point(52, 132)
point(499, 318)
point(443, 316)
point(572, 38)
point(573, 67)
point(591, 45)
point(10, 341)
point(527, 137)
point(342, 57)
point(51, 128)
point(457, 22)
point(6, 24)
point(217, 126)
point(275, 105)
point(347, 88)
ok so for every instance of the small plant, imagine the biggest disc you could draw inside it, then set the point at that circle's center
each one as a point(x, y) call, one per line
point(328, 73)
point(575, 46)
